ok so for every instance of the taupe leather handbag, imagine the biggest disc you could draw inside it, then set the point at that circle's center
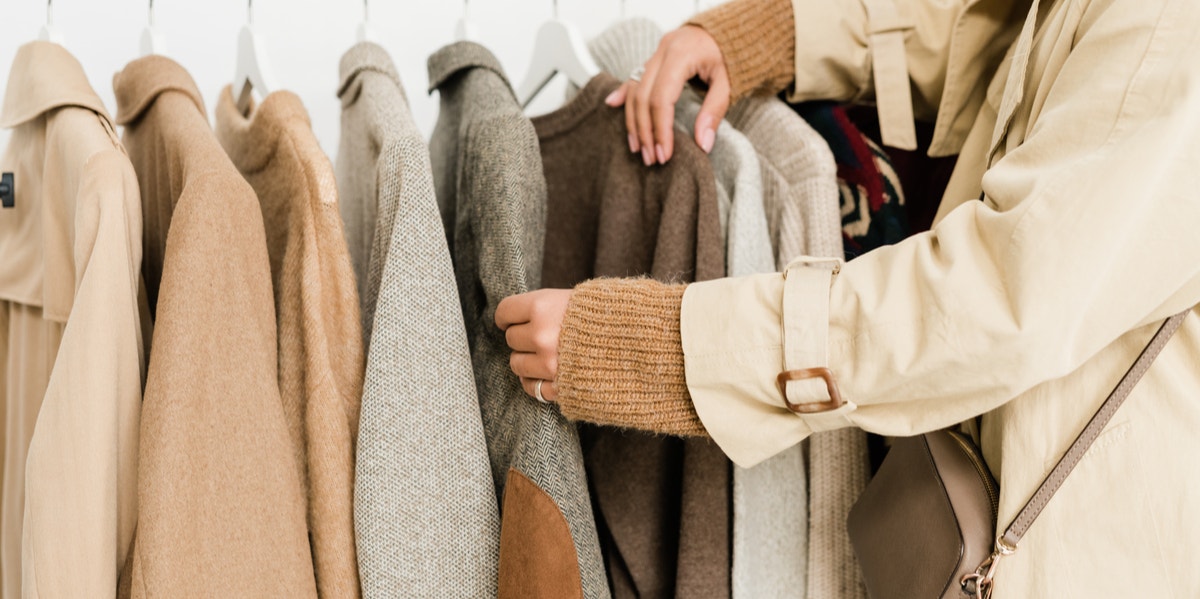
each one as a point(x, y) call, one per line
point(925, 526)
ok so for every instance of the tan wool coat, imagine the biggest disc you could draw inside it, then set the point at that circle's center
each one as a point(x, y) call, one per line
point(316, 302)
point(221, 505)
point(1065, 238)
point(71, 352)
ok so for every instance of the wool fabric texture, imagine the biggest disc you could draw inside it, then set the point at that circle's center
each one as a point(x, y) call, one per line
point(70, 334)
point(663, 503)
point(492, 194)
point(426, 516)
point(595, 354)
point(316, 302)
point(221, 505)
point(757, 39)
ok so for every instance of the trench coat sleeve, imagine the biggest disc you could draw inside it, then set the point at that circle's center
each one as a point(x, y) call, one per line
point(80, 494)
point(1087, 232)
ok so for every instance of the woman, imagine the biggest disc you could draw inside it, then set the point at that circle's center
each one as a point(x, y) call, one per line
point(1065, 238)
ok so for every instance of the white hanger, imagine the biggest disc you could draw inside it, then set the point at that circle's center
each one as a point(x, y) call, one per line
point(365, 32)
point(253, 72)
point(152, 39)
point(559, 48)
point(49, 32)
point(466, 30)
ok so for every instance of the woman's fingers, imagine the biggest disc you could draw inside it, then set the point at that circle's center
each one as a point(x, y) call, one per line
point(532, 324)
point(650, 103)
point(512, 310)
point(712, 112)
point(534, 366)
point(645, 120)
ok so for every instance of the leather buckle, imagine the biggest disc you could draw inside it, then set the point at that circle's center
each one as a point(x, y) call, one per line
point(816, 407)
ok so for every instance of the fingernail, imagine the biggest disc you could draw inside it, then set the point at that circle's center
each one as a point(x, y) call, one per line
point(647, 156)
point(660, 153)
point(707, 139)
point(611, 100)
point(633, 144)
point(705, 122)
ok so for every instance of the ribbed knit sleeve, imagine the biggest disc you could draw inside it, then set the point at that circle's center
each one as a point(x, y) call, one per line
point(758, 41)
point(620, 358)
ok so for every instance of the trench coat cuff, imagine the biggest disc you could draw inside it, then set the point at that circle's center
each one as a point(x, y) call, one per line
point(735, 335)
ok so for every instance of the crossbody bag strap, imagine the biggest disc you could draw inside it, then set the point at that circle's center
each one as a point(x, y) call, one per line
point(1055, 479)
point(979, 584)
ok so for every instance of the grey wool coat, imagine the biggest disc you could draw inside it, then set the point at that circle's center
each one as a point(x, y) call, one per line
point(492, 193)
point(426, 518)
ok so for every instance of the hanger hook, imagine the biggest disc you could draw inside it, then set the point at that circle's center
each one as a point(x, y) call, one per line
point(151, 14)
point(366, 11)
point(49, 13)
point(249, 12)
point(555, 9)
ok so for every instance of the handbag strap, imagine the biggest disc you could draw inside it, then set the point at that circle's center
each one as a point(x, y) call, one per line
point(1054, 480)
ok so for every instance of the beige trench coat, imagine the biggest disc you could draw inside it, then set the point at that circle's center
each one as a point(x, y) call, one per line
point(72, 357)
point(1083, 136)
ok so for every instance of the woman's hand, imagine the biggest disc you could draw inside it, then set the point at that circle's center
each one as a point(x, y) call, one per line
point(682, 54)
point(532, 323)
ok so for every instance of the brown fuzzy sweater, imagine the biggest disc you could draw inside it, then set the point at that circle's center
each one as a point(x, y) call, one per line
point(620, 353)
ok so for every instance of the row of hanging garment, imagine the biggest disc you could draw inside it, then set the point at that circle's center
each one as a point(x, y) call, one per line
point(234, 368)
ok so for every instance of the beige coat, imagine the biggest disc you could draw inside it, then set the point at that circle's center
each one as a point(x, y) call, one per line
point(221, 506)
point(1025, 307)
point(72, 356)
point(316, 303)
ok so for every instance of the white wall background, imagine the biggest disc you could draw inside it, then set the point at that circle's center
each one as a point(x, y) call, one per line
point(306, 38)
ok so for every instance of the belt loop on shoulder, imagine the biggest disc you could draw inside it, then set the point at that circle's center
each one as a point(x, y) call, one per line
point(893, 92)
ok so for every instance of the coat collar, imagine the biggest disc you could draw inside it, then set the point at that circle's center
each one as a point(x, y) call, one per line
point(144, 79)
point(251, 140)
point(364, 57)
point(45, 76)
point(460, 56)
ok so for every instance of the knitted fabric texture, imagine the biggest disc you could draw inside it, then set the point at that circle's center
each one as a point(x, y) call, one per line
point(491, 190)
point(621, 337)
point(320, 343)
point(221, 504)
point(425, 511)
point(757, 39)
point(800, 183)
point(771, 500)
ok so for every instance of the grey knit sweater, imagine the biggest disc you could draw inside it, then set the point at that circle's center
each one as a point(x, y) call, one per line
point(425, 511)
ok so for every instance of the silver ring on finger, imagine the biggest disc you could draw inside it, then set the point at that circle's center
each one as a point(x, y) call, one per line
point(637, 73)
point(537, 391)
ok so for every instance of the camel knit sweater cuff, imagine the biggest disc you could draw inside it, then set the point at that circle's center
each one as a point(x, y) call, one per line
point(758, 40)
point(620, 358)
